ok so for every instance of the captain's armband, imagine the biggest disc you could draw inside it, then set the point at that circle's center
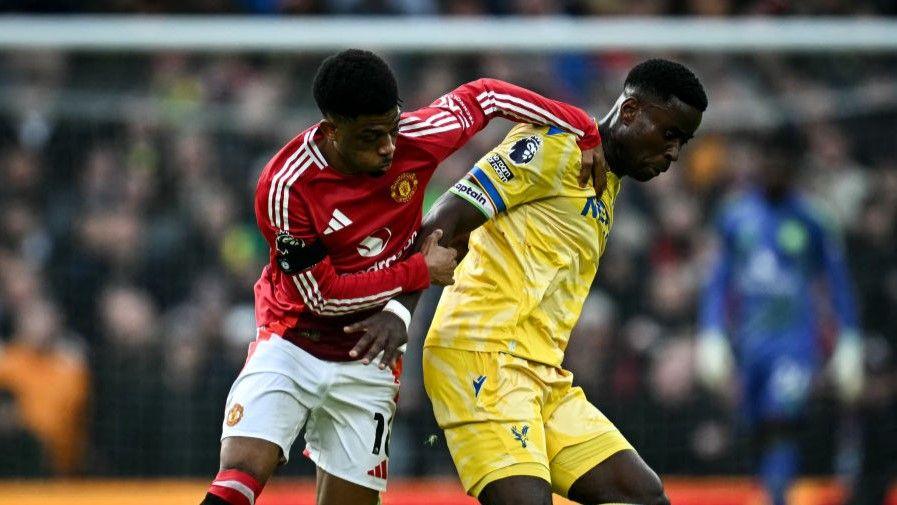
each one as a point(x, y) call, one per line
point(294, 255)
point(475, 195)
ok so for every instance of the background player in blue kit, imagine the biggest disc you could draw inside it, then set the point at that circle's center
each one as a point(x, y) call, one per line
point(759, 311)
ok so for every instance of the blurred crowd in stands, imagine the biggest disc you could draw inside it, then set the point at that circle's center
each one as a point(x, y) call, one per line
point(128, 247)
point(462, 7)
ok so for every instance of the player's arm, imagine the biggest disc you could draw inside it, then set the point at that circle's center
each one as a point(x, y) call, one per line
point(459, 218)
point(328, 293)
point(847, 360)
point(453, 119)
point(714, 360)
point(302, 257)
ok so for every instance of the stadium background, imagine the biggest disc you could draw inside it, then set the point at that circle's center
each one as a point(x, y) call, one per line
point(128, 247)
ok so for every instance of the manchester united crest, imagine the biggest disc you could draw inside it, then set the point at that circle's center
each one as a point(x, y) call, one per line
point(404, 187)
point(234, 414)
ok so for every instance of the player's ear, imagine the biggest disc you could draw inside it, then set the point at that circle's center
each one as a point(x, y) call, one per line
point(629, 110)
point(328, 128)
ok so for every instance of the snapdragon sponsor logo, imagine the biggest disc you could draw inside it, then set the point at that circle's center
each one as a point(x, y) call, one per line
point(385, 263)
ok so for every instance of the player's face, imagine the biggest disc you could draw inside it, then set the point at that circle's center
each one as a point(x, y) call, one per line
point(654, 134)
point(367, 143)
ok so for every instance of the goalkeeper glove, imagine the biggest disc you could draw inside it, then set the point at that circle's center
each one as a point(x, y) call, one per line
point(714, 361)
point(846, 366)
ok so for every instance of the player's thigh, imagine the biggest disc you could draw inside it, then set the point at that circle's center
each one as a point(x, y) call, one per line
point(333, 490)
point(267, 405)
point(516, 490)
point(263, 416)
point(786, 389)
point(579, 436)
point(489, 406)
point(347, 436)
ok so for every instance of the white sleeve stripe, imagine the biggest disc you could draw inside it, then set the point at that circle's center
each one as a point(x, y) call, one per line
point(239, 487)
point(319, 158)
point(432, 120)
point(510, 108)
point(533, 108)
point(419, 126)
point(350, 301)
point(277, 188)
point(325, 310)
point(453, 126)
point(286, 192)
point(409, 119)
point(275, 182)
point(287, 172)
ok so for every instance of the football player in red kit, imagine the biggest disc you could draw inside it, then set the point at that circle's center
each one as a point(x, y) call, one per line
point(340, 207)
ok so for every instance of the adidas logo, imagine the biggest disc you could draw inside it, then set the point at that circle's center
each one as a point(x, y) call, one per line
point(338, 221)
point(379, 471)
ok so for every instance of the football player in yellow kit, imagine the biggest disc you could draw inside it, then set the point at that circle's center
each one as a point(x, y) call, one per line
point(516, 427)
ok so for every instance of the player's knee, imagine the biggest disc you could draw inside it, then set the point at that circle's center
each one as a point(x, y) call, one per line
point(652, 492)
point(255, 457)
point(517, 490)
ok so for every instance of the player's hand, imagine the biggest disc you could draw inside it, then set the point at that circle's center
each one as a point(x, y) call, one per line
point(440, 260)
point(846, 367)
point(714, 361)
point(593, 169)
point(384, 331)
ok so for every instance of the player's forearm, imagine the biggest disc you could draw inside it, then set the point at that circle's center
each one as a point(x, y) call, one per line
point(497, 98)
point(327, 293)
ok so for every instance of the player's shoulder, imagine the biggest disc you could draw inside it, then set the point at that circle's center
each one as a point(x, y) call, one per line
point(524, 142)
point(739, 206)
point(816, 212)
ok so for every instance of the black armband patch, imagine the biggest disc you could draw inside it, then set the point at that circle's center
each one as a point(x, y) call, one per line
point(294, 255)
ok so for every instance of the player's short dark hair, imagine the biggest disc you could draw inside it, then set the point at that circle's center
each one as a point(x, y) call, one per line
point(354, 83)
point(664, 79)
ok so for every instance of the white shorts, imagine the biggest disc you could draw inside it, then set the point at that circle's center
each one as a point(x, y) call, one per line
point(346, 408)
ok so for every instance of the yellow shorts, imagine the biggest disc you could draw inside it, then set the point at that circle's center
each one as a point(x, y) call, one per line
point(505, 416)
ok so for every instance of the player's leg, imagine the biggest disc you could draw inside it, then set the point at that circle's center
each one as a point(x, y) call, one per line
point(591, 461)
point(347, 436)
point(622, 478)
point(489, 406)
point(264, 412)
point(783, 395)
point(246, 465)
point(518, 489)
point(333, 490)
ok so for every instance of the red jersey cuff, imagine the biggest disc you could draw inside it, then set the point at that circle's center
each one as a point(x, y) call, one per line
point(419, 274)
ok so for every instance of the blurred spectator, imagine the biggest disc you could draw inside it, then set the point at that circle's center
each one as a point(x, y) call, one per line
point(130, 400)
point(21, 454)
point(48, 377)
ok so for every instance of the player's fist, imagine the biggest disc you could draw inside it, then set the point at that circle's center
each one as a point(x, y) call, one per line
point(593, 169)
point(441, 261)
point(714, 361)
point(846, 367)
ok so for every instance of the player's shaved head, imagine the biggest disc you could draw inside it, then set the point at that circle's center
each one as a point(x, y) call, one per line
point(663, 79)
point(355, 83)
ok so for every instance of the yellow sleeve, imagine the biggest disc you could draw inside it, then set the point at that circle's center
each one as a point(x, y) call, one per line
point(530, 164)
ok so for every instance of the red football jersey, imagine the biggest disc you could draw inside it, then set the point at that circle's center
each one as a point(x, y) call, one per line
point(368, 224)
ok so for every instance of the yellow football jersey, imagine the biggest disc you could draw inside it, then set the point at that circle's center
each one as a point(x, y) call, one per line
point(521, 287)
